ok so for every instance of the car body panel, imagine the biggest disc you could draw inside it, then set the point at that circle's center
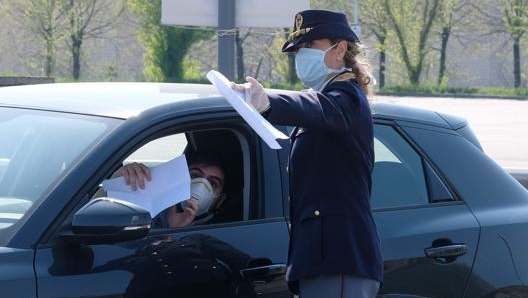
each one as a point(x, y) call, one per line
point(407, 233)
point(17, 276)
point(495, 198)
point(164, 264)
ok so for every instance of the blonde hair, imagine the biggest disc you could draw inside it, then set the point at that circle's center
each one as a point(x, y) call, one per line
point(355, 59)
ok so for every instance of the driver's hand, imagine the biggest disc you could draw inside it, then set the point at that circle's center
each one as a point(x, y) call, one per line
point(135, 174)
point(185, 218)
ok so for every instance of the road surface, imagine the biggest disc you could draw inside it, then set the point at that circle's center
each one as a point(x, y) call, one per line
point(501, 125)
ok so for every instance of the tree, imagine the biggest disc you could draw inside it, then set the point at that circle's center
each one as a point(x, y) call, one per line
point(454, 16)
point(375, 21)
point(412, 22)
point(447, 23)
point(165, 47)
point(508, 18)
point(291, 76)
point(72, 21)
point(515, 17)
point(88, 19)
point(340, 5)
point(239, 41)
point(41, 18)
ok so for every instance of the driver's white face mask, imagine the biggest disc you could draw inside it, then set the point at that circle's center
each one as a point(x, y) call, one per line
point(202, 192)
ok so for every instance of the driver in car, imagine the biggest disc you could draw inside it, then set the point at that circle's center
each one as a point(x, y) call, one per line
point(207, 184)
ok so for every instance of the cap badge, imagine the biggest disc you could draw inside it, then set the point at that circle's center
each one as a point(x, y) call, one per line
point(298, 21)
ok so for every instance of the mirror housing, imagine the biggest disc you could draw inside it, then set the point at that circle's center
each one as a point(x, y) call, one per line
point(108, 220)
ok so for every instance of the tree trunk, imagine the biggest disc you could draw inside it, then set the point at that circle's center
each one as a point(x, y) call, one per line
point(49, 59)
point(414, 77)
point(76, 57)
point(516, 63)
point(443, 55)
point(239, 57)
point(382, 61)
point(292, 74)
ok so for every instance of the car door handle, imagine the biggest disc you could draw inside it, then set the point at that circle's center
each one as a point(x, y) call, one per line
point(263, 274)
point(447, 251)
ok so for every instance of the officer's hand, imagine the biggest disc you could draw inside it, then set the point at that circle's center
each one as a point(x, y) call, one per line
point(255, 94)
point(135, 174)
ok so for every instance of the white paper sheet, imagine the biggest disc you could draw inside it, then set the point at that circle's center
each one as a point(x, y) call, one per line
point(261, 126)
point(170, 184)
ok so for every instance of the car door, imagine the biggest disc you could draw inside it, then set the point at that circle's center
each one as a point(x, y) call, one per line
point(239, 258)
point(429, 238)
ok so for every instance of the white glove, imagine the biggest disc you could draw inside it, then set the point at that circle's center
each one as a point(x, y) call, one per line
point(255, 94)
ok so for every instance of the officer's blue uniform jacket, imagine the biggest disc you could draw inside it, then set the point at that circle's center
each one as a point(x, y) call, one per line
point(331, 160)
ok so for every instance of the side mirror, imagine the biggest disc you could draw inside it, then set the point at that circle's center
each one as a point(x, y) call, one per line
point(107, 220)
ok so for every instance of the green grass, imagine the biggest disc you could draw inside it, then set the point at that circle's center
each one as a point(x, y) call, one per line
point(469, 91)
point(432, 90)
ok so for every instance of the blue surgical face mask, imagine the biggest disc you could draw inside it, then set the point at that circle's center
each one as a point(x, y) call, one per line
point(310, 67)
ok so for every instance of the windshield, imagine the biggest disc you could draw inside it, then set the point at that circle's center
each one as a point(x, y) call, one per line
point(37, 147)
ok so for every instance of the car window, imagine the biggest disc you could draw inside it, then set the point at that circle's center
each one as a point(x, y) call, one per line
point(224, 146)
point(159, 150)
point(36, 150)
point(398, 177)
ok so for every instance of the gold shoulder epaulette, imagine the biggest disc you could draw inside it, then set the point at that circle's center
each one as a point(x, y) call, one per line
point(345, 76)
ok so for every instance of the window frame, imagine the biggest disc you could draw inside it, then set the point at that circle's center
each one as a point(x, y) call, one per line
point(436, 189)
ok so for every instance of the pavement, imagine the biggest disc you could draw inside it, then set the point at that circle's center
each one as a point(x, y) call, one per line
point(501, 125)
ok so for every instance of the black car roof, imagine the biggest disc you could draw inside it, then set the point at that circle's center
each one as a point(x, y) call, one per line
point(126, 99)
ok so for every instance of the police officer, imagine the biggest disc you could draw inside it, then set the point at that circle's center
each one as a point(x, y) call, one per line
point(334, 248)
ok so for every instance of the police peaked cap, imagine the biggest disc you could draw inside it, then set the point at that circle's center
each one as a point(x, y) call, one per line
point(318, 24)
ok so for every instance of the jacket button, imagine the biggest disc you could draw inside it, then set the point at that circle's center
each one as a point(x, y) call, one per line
point(316, 213)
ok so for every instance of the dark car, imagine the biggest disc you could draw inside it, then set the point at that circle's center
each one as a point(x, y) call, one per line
point(453, 223)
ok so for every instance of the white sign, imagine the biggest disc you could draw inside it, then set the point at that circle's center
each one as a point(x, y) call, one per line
point(248, 13)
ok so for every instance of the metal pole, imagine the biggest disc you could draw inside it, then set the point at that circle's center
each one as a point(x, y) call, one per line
point(226, 39)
